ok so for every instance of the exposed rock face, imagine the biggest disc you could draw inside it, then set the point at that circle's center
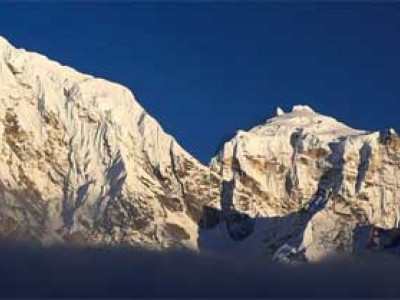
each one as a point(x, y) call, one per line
point(317, 178)
point(82, 162)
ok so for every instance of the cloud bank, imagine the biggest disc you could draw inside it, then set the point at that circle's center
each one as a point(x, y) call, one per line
point(29, 271)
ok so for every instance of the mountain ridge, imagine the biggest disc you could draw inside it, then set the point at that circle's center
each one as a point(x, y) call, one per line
point(83, 163)
point(93, 128)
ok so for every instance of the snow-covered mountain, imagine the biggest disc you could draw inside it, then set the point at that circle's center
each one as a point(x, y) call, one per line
point(83, 163)
point(312, 186)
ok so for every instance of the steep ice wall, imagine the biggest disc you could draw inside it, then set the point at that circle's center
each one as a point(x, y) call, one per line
point(81, 161)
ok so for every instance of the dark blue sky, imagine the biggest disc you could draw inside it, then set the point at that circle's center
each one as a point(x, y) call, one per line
point(206, 70)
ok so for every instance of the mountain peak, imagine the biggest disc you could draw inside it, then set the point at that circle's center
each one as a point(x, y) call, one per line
point(67, 131)
point(4, 42)
point(301, 108)
point(303, 116)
